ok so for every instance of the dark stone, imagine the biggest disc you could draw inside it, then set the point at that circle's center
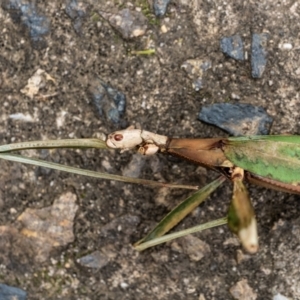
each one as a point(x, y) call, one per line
point(237, 119)
point(8, 293)
point(95, 260)
point(108, 101)
point(233, 47)
point(77, 13)
point(258, 54)
point(160, 7)
point(25, 13)
point(130, 24)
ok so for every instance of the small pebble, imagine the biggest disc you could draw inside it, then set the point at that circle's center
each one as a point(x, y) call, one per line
point(258, 54)
point(233, 47)
point(160, 7)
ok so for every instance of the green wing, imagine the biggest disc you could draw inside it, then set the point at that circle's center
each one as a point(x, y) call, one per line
point(273, 157)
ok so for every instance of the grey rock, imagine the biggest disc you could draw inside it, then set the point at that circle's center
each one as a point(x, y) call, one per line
point(237, 119)
point(76, 11)
point(95, 260)
point(26, 14)
point(9, 292)
point(108, 101)
point(129, 23)
point(233, 47)
point(160, 7)
point(258, 54)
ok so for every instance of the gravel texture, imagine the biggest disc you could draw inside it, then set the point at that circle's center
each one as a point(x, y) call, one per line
point(52, 53)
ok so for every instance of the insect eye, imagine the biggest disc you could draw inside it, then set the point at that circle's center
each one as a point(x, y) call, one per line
point(118, 137)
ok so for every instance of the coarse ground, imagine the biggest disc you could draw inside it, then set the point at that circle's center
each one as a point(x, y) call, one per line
point(160, 98)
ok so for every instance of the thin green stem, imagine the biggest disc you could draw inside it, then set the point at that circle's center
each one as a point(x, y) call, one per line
point(55, 166)
point(175, 235)
point(65, 143)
